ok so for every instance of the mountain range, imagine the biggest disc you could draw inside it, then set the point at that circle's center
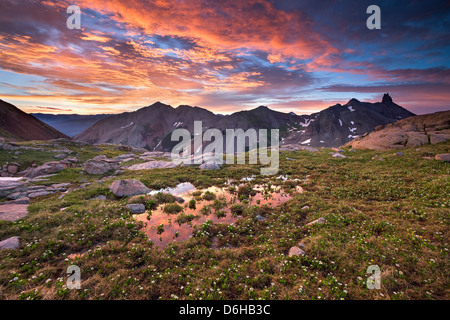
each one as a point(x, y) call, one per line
point(151, 127)
point(69, 124)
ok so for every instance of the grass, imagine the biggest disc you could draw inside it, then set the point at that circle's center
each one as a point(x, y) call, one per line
point(392, 213)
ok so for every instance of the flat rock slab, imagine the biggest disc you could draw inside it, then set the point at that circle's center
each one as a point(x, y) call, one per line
point(10, 185)
point(10, 243)
point(14, 210)
point(152, 165)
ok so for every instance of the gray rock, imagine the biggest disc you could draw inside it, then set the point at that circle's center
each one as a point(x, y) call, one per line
point(60, 156)
point(443, 157)
point(399, 154)
point(95, 166)
point(61, 186)
point(10, 186)
point(125, 157)
point(13, 168)
point(126, 188)
point(16, 195)
point(179, 199)
point(45, 169)
point(100, 197)
point(338, 155)
point(260, 218)
point(136, 208)
point(209, 166)
point(296, 251)
point(84, 185)
point(152, 165)
point(10, 243)
point(318, 221)
point(40, 194)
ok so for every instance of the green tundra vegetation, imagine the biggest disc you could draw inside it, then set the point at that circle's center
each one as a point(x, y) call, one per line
point(392, 212)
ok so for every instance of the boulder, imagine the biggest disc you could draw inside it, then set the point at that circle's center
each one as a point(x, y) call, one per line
point(296, 251)
point(99, 165)
point(136, 208)
point(338, 155)
point(13, 168)
point(127, 188)
point(443, 157)
point(209, 166)
point(260, 218)
point(318, 221)
point(10, 243)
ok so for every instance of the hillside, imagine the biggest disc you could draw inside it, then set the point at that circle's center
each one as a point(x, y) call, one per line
point(18, 125)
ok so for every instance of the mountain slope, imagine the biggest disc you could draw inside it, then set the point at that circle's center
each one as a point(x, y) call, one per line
point(18, 125)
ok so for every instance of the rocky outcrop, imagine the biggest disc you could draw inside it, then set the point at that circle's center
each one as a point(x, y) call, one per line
point(127, 188)
point(411, 132)
point(100, 165)
point(42, 170)
point(14, 189)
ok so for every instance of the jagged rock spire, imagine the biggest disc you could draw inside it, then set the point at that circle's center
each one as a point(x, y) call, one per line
point(386, 98)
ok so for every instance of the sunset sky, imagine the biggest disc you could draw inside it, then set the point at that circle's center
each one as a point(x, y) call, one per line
point(299, 56)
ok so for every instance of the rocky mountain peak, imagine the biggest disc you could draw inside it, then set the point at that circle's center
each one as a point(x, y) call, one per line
point(352, 100)
point(386, 99)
